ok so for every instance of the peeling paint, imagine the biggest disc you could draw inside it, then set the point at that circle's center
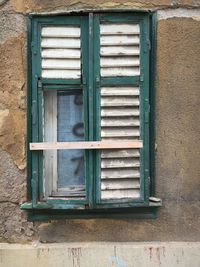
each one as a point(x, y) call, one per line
point(179, 13)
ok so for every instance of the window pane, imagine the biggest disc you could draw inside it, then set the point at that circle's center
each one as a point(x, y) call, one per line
point(63, 122)
point(70, 128)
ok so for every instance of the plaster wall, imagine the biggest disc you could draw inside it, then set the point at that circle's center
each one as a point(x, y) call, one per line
point(177, 128)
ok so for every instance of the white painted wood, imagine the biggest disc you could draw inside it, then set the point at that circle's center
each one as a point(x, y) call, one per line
point(50, 135)
point(115, 40)
point(121, 153)
point(129, 61)
point(118, 29)
point(64, 64)
point(119, 132)
point(112, 72)
point(62, 31)
point(120, 184)
point(120, 163)
point(115, 173)
point(119, 112)
point(118, 194)
point(119, 51)
point(119, 101)
point(120, 91)
point(61, 74)
point(120, 122)
point(61, 53)
point(60, 43)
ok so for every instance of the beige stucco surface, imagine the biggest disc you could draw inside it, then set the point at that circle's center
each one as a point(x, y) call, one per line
point(177, 130)
point(131, 254)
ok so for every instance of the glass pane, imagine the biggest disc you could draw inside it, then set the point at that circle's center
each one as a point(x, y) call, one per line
point(70, 128)
point(63, 122)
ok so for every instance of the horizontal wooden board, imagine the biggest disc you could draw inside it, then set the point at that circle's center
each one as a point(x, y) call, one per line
point(85, 145)
point(64, 64)
point(119, 132)
point(118, 40)
point(120, 122)
point(116, 101)
point(128, 61)
point(62, 31)
point(122, 153)
point(61, 53)
point(120, 91)
point(60, 43)
point(119, 29)
point(61, 74)
point(119, 194)
point(119, 112)
point(111, 184)
point(114, 173)
point(119, 163)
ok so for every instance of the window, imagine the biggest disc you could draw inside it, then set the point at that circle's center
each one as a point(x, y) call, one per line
point(89, 112)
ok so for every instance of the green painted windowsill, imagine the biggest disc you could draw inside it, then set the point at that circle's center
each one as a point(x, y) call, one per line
point(44, 211)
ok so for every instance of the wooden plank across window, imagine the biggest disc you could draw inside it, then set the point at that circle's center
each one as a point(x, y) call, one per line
point(86, 145)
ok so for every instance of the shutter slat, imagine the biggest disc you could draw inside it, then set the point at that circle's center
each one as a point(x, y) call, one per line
point(107, 62)
point(63, 64)
point(118, 194)
point(119, 91)
point(60, 43)
point(126, 153)
point(61, 74)
point(119, 51)
point(116, 132)
point(119, 122)
point(61, 53)
point(119, 184)
point(119, 112)
point(68, 31)
point(120, 163)
point(114, 173)
point(119, 101)
point(119, 29)
point(109, 40)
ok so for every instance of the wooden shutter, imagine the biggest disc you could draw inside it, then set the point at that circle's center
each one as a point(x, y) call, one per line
point(61, 52)
point(120, 110)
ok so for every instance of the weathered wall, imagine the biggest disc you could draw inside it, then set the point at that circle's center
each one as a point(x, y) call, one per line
point(177, 128)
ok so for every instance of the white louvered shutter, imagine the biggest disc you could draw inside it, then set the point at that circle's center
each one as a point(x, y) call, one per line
point(61, 52)
point(120, 110)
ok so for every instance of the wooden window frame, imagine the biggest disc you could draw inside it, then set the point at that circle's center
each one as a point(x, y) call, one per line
point(55, 208)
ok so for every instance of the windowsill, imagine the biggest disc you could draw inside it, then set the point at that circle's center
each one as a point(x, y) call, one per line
point(42, 212)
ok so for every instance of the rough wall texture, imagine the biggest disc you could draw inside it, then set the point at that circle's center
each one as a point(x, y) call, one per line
point(177, 131)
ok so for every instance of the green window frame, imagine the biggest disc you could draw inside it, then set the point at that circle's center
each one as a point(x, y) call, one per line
point(90, 83)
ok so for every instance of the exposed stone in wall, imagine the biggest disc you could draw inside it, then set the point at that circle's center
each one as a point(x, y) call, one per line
point(27, 6)
point(13, 222)
point(12, 92)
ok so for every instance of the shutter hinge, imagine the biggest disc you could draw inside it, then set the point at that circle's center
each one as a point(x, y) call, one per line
point(33, 49)
point(34, 112)
point(148, 44)
point(39, 84)
point(146, 114)
point(141, 77)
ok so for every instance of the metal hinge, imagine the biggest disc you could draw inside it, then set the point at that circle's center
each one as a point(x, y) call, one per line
point(148, 44)
point(33, 49)
point(146, 114)
point(141, 78)
point(39, 84)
